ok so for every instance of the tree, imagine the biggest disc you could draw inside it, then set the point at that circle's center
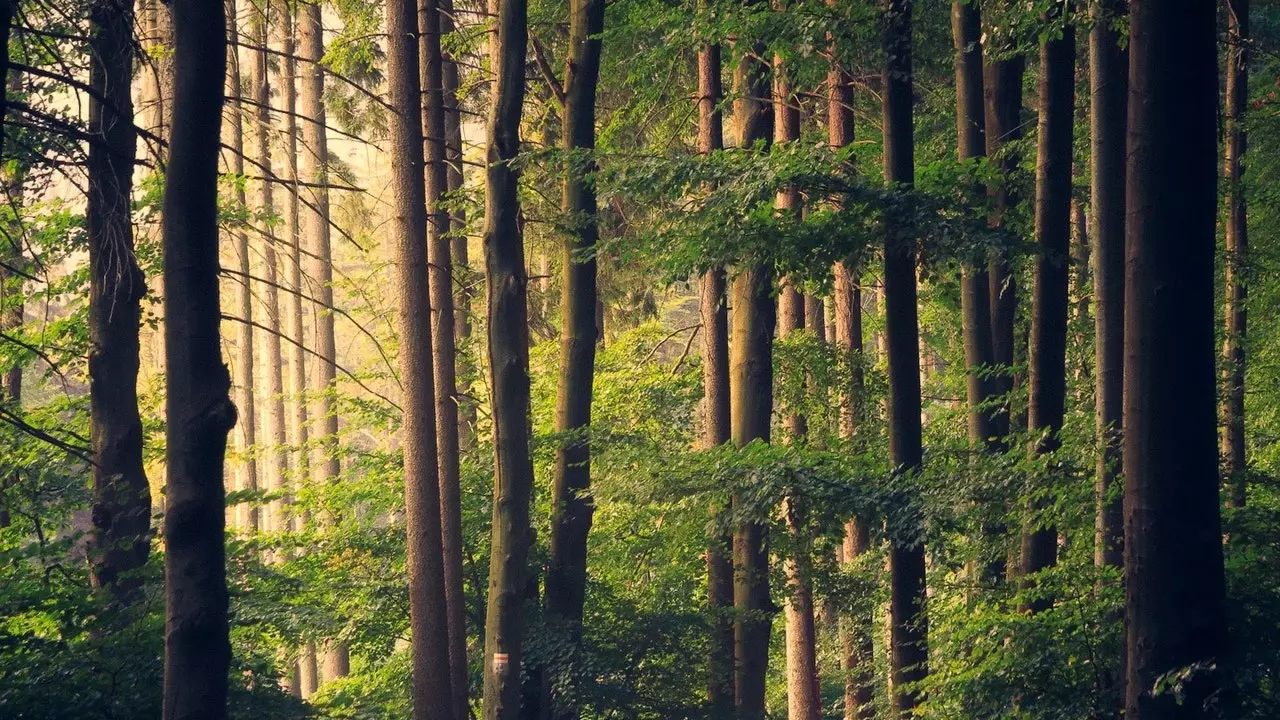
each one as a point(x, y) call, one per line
point(508, 367)
point(1174, 592)
point(1235, 463)
point(198, 403)
point(908, 624)
point(121, 539)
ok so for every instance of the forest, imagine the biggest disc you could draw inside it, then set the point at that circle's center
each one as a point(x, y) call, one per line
point(640, 359)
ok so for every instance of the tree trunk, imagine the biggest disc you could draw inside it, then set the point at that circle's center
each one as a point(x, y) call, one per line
point(507, 282)
point(121, 539)
point(197, 404)
point(570, 492)
point(1174, 604)
point(908, 641)
point(1109, 83)
point(1235, 464)
point(1047, 372)
point(246, 512)
point(443, 343)
point(715, 419)
point(751, 410)
point(315, 170)
point(429, 629)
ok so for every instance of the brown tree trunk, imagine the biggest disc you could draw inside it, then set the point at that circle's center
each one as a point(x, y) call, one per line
point(315, 170)
point(1109, 84)
point(429, 629)
point(1047, 372)
point(570, 491)
point(1174, 605)
point(1235, 463)
point(908, 638)
point(751, 410)
point(443, 344)
point(857, 659)
point(246, 512)
point(121, 539)
point(197, 403)
point(508, 367)
point(715, 419)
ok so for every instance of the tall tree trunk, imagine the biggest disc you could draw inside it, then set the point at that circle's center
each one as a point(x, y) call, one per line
point(908, 640)
point(715, 418)
point(570, 491)
point(1109, 84)
point(315, 170)
point(857, 659)
point(751, 410)
point(432, 691)
point(508, 367)
point(1174, 605)
point(1233, 350)
point(454, 179)
point(11, 297)
point(197, 404)
point(443, 344)
point(1047, 373)
point(121, 539)
point(246, 512)
point(272, 360)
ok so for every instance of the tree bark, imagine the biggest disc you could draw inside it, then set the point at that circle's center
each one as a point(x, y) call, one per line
point(121, 539)
point(1174, 604)
point(443, 342)
point(751, 410)
point(1235, 463)
point(507, 282)
point(1047, 366)
point(715, 418)
point(197, 404)
point(429, 629)
point(1109, 84)
point(908, 637)
point(572, 505)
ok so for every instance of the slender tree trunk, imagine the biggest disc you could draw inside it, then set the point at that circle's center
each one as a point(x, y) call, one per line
point(246, 512)
point(272, 361)
point(197, 403)
point(908, 651)
point(1174, 606)
point(1109, 84)
point(11, 296)
point(1047, 374)
point(570, 496)
point(121, 539)
point(751, 410)
point(715, 419)
point(1235, 462)
point(443, 344)
point(508, 367)
point(432, 691)
point(857, 659)
point(315, 170)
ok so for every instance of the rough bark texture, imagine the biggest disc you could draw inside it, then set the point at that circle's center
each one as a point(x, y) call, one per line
point(429, 630)
point(908, 625)
point(443, 343)
point(572, 505)
point(197, 404)
point(315, 170)
point(1047, 373)
point(1109, 84)
point(751, 410)
point(1237, 287)
point(507, 282)
point(715, 418)
point(121, 538)
point(245, 513)
point(1174, 603)
point(273, 429)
